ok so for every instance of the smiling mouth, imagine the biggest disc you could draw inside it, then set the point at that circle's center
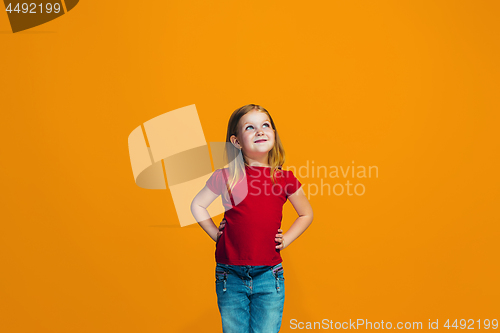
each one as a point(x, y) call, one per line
point(260, 141)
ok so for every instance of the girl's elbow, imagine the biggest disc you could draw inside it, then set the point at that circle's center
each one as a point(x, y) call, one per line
point(308, 216)
point(197, 206)
point(311, 217)
point(194, 204)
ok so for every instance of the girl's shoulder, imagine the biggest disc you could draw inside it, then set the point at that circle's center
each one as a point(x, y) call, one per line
point(284, 171)
point(285, 176)
point(292, 183)
point(220, 172)
point(288, 175)
point(218, 180)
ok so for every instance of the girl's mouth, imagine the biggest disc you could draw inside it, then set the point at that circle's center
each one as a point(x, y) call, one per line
point(260, 141)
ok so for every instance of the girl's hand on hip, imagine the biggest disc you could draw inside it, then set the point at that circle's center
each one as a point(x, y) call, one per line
point(221, 227)
point(280, 238)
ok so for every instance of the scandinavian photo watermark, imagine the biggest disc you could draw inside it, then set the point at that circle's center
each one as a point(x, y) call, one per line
point(325, 180)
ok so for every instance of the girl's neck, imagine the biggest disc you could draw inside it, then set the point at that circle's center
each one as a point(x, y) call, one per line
point(257, 162)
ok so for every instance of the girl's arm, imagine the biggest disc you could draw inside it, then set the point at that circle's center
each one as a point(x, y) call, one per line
point(199, 210)
point(304, 209)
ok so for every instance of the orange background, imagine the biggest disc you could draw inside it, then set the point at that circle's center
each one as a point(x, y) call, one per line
point(412, 88)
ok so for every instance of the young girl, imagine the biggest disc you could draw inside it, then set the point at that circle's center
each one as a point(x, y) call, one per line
point(250, 285)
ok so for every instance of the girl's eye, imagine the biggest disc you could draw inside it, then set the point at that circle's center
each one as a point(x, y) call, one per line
point(266, 124)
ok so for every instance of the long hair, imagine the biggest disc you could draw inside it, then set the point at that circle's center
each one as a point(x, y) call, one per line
point(276, 155)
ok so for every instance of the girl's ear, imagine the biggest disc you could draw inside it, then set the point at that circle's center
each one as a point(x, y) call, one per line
point(235, 142)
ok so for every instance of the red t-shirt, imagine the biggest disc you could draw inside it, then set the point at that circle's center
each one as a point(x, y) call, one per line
point(252, 224)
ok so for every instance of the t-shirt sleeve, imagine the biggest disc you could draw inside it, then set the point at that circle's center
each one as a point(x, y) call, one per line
point(214, 183)
point(292, 183)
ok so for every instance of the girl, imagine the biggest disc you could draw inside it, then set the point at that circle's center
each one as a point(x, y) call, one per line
point(250, 285)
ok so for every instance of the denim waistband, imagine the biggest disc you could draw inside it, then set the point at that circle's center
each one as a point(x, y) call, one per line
point(248, 270)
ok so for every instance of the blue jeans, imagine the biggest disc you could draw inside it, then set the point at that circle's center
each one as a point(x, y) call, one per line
point(250, 298)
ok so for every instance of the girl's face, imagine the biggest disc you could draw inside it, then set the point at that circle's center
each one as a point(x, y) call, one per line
point(255, 134)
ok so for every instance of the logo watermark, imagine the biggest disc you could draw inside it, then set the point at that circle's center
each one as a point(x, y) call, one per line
point(165, 154)
point(328, 324)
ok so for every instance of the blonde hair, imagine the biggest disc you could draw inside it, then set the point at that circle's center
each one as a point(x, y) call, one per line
point(276, 156)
